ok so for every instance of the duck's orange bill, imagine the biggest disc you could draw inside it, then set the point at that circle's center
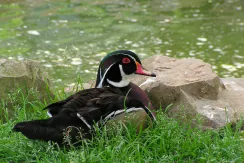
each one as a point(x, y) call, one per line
point(142, 71)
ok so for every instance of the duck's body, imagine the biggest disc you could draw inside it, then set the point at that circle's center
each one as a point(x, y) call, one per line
point(76, 115)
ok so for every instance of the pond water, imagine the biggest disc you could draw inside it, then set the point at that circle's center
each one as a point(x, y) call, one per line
point(69, 37)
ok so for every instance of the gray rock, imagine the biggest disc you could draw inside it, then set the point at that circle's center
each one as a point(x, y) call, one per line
point(194, 90)
point(234, 95)
point(19, 78)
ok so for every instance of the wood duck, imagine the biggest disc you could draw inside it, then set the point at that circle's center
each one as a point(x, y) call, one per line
point(113, 96)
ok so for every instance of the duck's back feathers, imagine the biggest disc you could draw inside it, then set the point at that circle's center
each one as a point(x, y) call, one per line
point(89, 97)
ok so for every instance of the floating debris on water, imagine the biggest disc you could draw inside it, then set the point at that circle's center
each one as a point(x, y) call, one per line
point(128, 42)
point(192, 53)
point(132, 20)
point(231, 68)
point(199, 43)
point(33, 32)
point(58, 80)
point(63, 21)
point(214, 67)
point(64, 65)
point(239, 57)
point(47, 52)
point(239, 65)
point(75, 48)
point(91, 63)
point(47, 41)
point(20, 58)
point(60, 49)
point(157, 41)
point(143, 54)
point(135, 45)
point(48, 65)
point(165, 21)
point(238, 8)
point(217, 50)
point(210, 46)
point(101, 54)
point(58, 60)
point(76, 61)
point(202, 39)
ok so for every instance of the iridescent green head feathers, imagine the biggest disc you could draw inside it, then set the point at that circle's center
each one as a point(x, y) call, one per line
point(115, 68)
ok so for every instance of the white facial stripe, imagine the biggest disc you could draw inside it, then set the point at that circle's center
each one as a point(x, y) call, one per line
point(101, 82)
point(83, 119)
point(121, 71)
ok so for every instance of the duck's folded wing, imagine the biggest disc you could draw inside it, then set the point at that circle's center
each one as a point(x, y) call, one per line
point(96, 108)
point(78, 99)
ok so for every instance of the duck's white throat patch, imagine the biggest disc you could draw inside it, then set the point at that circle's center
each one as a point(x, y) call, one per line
point(125, 80)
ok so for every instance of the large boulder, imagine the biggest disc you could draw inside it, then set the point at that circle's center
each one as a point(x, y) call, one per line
point(194, 91)
point(19, 80)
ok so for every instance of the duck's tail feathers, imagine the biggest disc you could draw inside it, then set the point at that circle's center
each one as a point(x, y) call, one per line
point(39, 129)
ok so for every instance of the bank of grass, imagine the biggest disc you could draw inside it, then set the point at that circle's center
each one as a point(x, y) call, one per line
point(167, 141)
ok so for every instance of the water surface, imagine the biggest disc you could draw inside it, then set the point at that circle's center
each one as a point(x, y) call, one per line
point(70, 37)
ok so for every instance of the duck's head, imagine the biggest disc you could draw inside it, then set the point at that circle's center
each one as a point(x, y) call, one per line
point(116, 67)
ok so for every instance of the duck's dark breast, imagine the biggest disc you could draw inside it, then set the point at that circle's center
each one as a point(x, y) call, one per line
point(137, 93)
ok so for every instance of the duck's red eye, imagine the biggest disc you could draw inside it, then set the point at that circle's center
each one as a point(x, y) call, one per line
point(126, 60)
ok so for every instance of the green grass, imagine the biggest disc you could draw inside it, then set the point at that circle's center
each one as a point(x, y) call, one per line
point(167, 141)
